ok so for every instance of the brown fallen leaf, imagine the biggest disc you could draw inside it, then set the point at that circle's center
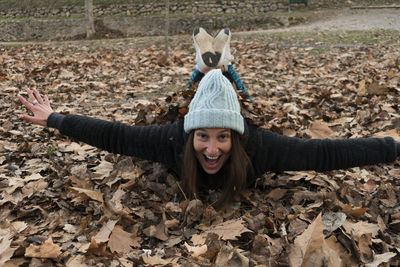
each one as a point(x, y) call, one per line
point(8, 198)
point(194, 211)
point(34, 187)
point(104, 234)
point(320, 129)
point(16, 262)
point(309, 248)
point(277, 193)
point(102, 170)
point(172, 224)
point(98, 249)
point(364, 245)
point(157, 260)
point(362, 91)
point(47, 250)
point(196, 251)
point(210, 217)
point(357, 212)
point(98, 196)
point(381, 258)
point(121, 241)
point(157, 231)
point(6, 252)
point(77, 260)
point(228, 230)
point(229, 256)
point(375, 88)
point(370, 186)
point(361, 227)
point(394, 133)
point(173, 207)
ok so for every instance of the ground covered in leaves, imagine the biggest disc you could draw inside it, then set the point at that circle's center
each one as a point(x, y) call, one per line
point(64, 203)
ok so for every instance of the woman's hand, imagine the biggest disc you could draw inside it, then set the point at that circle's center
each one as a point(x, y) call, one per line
point(40, 107)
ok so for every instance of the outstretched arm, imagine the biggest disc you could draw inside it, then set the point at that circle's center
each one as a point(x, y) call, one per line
point(156, 143)
point(273, 152)
point(160, 143)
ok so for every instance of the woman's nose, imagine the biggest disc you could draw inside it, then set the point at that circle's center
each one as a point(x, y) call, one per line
point(212, 148)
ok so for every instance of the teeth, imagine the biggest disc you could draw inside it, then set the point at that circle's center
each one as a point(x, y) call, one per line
point(212, 158)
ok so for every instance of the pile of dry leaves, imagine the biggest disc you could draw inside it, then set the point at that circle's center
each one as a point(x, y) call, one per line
point(64, 203)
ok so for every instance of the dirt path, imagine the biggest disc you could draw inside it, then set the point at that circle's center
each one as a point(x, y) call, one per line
point(353, 19)
point(345, 20)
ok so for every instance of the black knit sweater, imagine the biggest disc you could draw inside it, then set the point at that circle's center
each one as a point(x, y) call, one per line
point(267, 151)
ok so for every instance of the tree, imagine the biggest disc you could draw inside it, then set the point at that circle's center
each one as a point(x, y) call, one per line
point(90, 31)
point(166, 26)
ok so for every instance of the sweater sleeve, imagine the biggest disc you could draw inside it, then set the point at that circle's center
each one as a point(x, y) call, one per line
point(156, 143)
point(273, 152)
point(398, 149)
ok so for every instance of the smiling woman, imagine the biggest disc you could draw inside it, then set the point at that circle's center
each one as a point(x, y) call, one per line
point(216, 124)
point(212, 147)
point(227, 170)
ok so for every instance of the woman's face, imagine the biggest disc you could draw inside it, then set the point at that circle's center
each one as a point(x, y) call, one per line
point(212, 146)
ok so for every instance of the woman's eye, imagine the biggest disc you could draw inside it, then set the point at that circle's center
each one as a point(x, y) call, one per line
point(202, 136)
point(223, 137)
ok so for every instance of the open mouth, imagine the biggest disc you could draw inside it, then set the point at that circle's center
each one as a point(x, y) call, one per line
point(211, 162)
point(211, 158)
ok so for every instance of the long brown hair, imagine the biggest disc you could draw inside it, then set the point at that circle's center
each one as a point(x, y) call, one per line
point(234, 172)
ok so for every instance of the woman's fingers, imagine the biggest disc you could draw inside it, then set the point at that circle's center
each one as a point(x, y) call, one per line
point(26, 117)
point(31, 97)
point(46, 100)
point(34, 96)
point(38, 96)
point(28, 105)
point(25, 102)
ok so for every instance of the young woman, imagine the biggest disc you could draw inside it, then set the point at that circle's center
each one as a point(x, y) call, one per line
point(213, 146)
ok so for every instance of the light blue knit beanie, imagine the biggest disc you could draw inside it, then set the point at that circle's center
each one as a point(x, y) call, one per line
point(215, 105)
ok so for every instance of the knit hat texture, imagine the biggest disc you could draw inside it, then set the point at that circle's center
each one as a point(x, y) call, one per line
point(215, 105)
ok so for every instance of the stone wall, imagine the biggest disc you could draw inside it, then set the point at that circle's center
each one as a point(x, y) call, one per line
point(156, 7)
point(125, 26)
point(153, 8)
point(139, 19)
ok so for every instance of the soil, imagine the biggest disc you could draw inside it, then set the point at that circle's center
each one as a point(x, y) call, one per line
point(351, 19)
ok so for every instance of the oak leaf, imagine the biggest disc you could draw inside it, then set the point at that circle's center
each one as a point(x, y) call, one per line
point(310, 249)
point(228, 230)
point(47, 250)
point(121, 241)
point(102, 170)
